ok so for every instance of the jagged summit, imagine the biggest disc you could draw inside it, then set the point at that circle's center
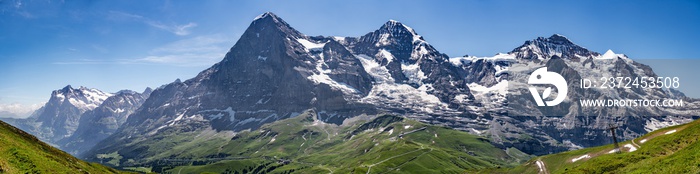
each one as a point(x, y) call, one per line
point(397, 29)
point(404, 44)
point(67, 88)
point(557, 38)
point(608, 55)
point(147, 91)
point(273, 72)
point(555, 45)
point(268, 21)
point(126, 91)
point(265, 15)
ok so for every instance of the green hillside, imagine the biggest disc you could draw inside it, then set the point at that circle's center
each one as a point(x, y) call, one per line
point(305, 145)
point(670, 150)
point(21, 152)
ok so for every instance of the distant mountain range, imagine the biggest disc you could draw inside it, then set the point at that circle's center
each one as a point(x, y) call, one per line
point(74, 120)
point(275, 72)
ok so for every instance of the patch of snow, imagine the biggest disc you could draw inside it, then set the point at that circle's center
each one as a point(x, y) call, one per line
point(463, 98)
point(642, 141)
point(420, 51)
point(406, 126)
point(475, 131)
point(260, 16)
point(383, 40)
point(339, 38)
point(613, 151)
point(95, 96)
point(322, 77)
point(391, 131)
point(220, 113)
point(581, 157)
point(273, 139)
point(631, 147)
point(572, 145)
point(500, 87)
point(156, 130)
point(310, 45)
point(217, 116)
point(413, 72)
point(609, 55)
point(263, 58)
point(670, 132)
point(387, 55)
point(371, 66)
point(459, 61)
point(178, 118)
point(60, 96)
point(654, 124)
point(82, 104)
point(405, 96)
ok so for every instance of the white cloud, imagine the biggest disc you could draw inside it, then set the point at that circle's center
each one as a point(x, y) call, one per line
point(207, 43)
point(180, 30)
point(117, 15)
point(185, 59)
point(17, 110)
point(195, 51)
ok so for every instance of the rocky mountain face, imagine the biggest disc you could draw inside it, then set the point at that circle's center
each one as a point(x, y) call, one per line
point(275, 72)
point(556, 45)
point(97, 124)
point(567, 125)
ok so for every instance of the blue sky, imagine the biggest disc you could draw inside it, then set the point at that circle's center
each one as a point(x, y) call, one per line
point(114, 45)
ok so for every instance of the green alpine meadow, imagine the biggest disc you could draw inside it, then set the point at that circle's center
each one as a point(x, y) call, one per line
point(673, 149)
point(21, 152)
point(304, 144)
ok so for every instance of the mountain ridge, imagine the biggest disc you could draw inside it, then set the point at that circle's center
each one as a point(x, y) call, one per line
point(274, 72)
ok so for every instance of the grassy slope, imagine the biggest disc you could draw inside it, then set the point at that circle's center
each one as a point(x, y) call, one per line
point(311, 146)
point(677, 152)
point(21, 152)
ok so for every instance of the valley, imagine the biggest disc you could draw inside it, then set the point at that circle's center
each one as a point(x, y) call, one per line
point(304, 144)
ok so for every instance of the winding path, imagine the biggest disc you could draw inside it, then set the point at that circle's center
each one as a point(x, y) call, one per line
point(542, 166)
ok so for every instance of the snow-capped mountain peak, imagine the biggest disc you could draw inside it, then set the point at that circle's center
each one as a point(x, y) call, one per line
point(266, 15)
point(611, 55)
point(268, 22)
point(560, 39)
point(83, 98)
point(555, 45)
point(608, 55)
point(395, 29)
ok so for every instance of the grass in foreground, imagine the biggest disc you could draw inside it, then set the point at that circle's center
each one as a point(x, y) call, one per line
point(21, 152)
